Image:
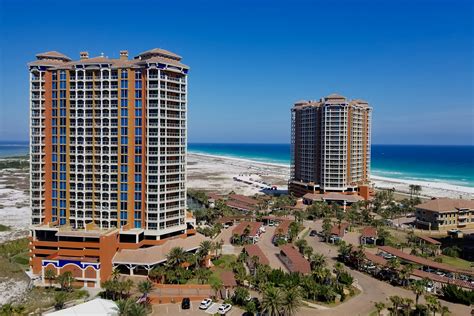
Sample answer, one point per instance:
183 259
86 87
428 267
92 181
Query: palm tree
359 256
418 288
406 272
203 275
272 302
65 280
204 248
432 303
318 260
396 302
407 304
157 274
59 300
123 307
137 310
216 285
115 273
444 311
379 306
50 275
176 256
308 252
301 244
127 286
145 287
292 300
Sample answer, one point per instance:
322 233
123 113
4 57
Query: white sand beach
216 173
14 203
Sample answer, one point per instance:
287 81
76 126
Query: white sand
15 210
216 173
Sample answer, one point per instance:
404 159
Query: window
124 94
124 169
138 103
124 84
124 74
138 84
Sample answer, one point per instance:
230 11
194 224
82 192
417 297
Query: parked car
185 303
313 233
429 288
224 308
205 303
440 273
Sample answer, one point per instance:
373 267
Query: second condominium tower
108 157
330 145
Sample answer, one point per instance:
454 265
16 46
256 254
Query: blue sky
250 60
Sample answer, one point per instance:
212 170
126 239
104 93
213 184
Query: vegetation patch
4 228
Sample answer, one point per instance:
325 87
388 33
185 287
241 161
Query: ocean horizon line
25 142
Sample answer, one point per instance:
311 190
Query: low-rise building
293 260
445 214
247 232
255 256
332 197
368 235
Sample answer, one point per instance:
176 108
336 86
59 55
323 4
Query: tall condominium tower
108 156
330 145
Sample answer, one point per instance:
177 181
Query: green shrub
456 294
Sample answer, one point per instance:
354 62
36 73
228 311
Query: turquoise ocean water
448 164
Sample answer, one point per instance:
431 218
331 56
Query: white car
429 288
205 303
224 308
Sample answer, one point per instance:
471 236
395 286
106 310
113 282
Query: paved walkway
175 309
270 250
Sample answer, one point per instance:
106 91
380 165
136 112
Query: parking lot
175 309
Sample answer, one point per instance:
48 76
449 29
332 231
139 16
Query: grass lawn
456 262
223 263
355 292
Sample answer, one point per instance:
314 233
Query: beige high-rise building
330 145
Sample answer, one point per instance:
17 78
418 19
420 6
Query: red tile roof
228 279
429 240
283 227
442 279
369 232
375 259
240 205
254 228
423 261
297 262
254 250
446 205
243 199
339 230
